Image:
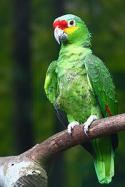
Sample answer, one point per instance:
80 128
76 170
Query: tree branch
30 168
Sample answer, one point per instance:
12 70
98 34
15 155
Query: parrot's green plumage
79 84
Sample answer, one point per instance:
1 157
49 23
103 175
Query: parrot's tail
104 159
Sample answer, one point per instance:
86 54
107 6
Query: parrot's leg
71 126
88 123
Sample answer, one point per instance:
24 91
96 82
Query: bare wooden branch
30 168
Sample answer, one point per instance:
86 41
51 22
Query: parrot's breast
75 94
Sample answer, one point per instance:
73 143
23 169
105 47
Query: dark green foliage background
106 22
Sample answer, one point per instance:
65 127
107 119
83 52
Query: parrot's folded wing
103 87
50 85
102 84
104 90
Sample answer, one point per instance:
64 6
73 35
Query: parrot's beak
60 35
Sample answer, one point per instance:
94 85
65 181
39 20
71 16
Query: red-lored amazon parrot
79 84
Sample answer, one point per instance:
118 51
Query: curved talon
71 126
89 122
86 128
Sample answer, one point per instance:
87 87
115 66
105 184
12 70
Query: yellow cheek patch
70 29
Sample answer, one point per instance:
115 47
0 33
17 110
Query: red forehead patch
61 24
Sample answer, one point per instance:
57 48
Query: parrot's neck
73 49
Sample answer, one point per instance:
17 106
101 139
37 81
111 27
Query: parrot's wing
102 85
50 85
104 90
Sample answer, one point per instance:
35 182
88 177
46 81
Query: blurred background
27 46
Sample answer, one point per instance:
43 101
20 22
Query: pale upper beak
60 35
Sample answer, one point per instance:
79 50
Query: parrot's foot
88 123
71 126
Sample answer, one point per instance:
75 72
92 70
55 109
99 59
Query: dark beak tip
63 37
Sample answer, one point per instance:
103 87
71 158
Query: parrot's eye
71 23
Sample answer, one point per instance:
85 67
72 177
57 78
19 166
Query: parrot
81 89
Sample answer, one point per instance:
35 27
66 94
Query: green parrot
79 85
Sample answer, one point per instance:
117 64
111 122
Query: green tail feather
104 159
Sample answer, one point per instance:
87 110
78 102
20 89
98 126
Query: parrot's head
69 29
